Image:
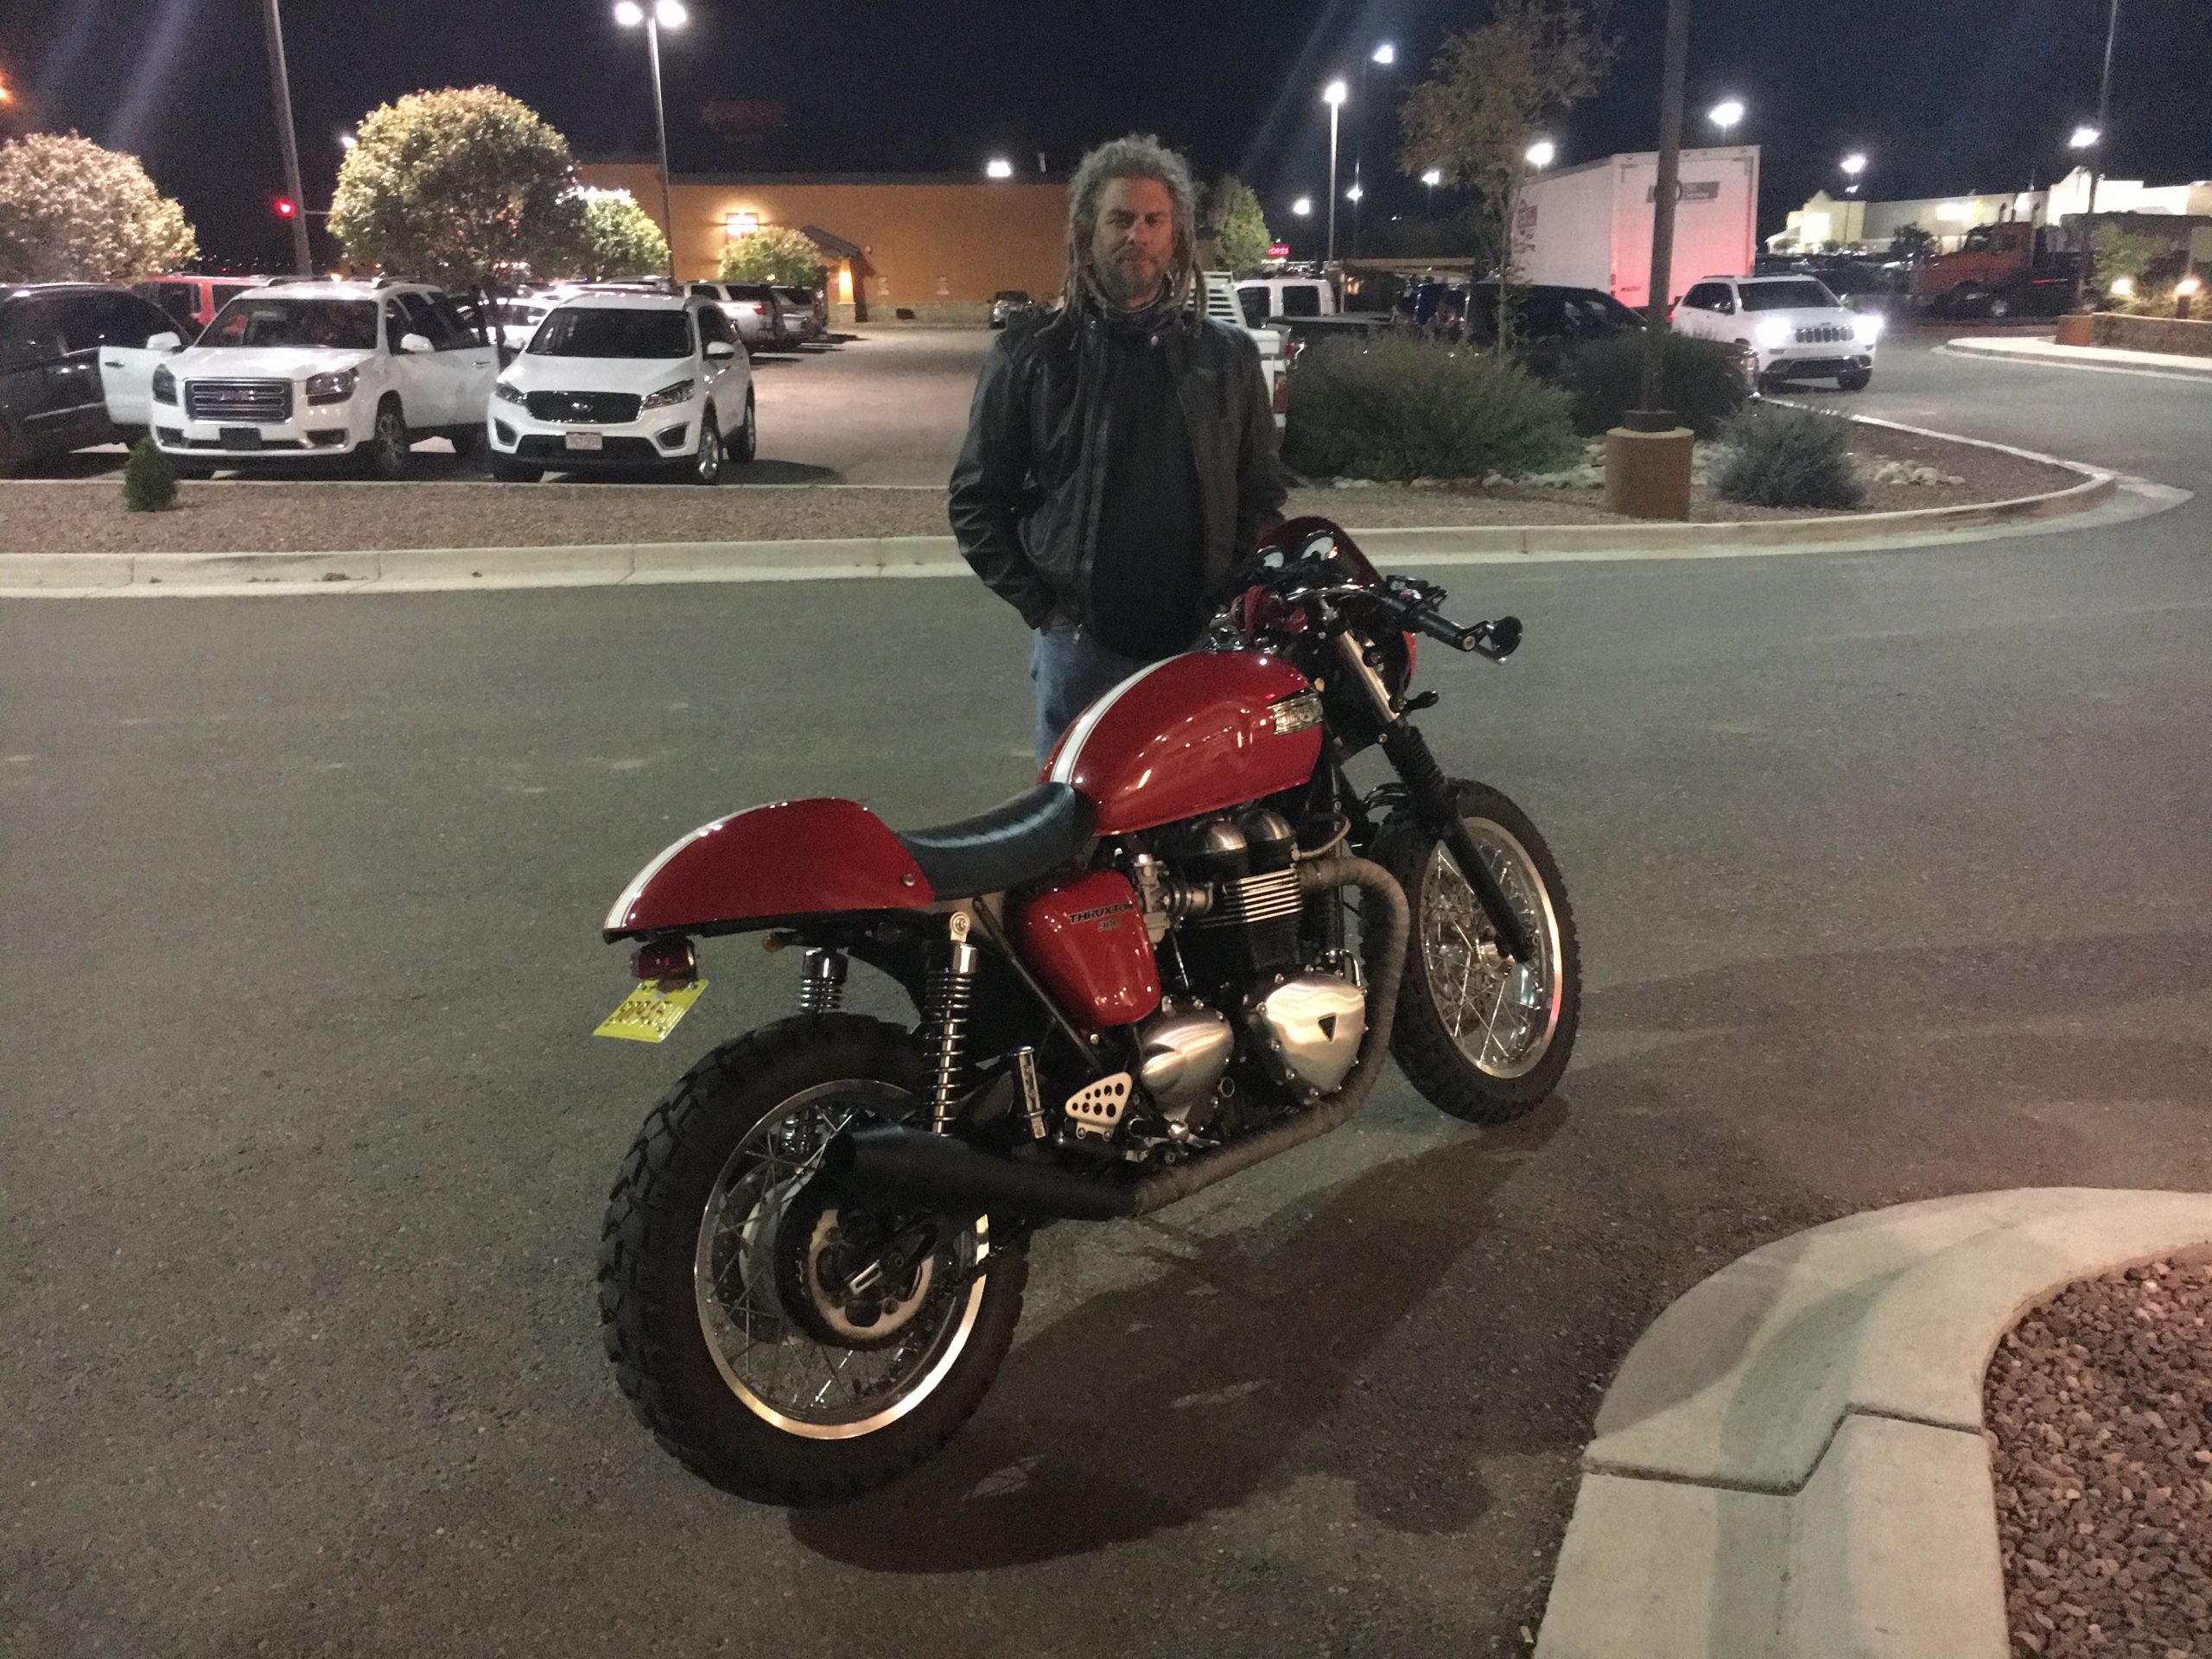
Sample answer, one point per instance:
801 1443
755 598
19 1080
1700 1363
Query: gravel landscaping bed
2100 1429
87 516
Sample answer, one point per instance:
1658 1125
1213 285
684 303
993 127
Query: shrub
774 253
1398 408
1703 384
149 479
1777 456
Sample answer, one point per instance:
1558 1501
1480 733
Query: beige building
898 247
1852 223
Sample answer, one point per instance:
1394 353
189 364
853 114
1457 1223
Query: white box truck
1590 226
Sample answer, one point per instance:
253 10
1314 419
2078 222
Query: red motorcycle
1194 944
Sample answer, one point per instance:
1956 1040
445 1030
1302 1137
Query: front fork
1431 792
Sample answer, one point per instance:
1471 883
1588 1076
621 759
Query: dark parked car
1009 303
76 360
1549 322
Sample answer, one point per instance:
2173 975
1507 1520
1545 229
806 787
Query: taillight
665 961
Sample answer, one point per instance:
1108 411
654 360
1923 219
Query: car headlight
164 386
669 397
1773 334
333 388
506 392
1868 327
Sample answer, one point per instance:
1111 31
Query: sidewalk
2107 357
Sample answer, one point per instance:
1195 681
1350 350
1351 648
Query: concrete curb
82 575
1790 1465
2098 360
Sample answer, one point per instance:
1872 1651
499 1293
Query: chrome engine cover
1181 1057
1308 1030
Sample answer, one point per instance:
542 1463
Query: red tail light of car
665 961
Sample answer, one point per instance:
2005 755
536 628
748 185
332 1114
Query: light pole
1333 96
1725 114
665 14
1386 55
1433 177
282 85
2095 140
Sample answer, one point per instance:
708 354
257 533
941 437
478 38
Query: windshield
601 331
1787 297
337 325
516 315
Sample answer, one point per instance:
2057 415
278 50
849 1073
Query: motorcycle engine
1224 906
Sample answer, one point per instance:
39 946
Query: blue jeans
1071 670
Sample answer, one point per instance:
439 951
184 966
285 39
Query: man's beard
1128 282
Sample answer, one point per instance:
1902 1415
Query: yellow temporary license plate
649 1013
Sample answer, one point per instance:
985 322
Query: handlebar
1412 605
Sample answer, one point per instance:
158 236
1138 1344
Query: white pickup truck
1222 305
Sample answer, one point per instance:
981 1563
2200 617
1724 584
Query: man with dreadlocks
1119 456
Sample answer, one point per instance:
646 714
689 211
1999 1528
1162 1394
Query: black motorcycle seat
1016 840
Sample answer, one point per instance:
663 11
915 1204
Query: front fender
772 864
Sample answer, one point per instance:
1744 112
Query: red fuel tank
1086 941
1194 734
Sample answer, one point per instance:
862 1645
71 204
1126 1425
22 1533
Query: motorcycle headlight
1869 328
1772 333
333 388
164 386
506 392
669 397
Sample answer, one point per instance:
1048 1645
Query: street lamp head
1726 113
1854 163
1353 194
2083 138
1385 54
1542 152
1303 207
671 14
346 140
998 168
629 13
1335 93
1433 177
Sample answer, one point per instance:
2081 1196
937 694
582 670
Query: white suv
302 370
625 380
1791 327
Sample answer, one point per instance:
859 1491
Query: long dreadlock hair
1139 155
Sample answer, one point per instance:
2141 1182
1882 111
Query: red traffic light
285 209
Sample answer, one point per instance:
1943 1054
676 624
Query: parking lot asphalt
1890 874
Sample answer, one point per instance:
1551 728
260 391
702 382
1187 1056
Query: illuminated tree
72 212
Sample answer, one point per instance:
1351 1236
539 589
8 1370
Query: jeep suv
302 369
1788 328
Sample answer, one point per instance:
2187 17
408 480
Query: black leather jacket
1025 493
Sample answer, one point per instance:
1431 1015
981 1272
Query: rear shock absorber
952 991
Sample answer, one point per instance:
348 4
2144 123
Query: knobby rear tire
649 1316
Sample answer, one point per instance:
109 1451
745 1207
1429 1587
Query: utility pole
291 144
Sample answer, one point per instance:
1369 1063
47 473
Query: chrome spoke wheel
1502 1013
786 1376
711 453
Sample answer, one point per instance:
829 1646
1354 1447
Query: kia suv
626 380
1788 328
303 370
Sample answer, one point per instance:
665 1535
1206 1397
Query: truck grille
1823 334
239 402
585 408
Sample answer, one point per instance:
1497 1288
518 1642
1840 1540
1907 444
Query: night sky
1946 96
